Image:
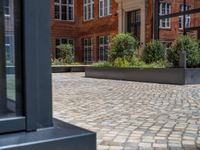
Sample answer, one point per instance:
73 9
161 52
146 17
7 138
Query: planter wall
178 76
62 69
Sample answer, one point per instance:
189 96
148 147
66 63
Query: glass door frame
135 23
18 122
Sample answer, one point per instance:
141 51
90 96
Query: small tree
66 53
154 52
187 44
123 46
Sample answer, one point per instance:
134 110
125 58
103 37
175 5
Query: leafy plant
154 52
123 45
187 44
121 62
58 62
66 53
136 62
102 64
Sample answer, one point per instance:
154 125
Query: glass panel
9 98
133 23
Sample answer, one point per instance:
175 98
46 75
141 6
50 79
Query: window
7 8
88 9
64 10
187 17
103 47
105 7
134 23
87 50
165 9
63 41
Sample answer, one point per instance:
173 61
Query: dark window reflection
8 100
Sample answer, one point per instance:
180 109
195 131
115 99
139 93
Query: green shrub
121 62
136 62
154 52
58 62
66 53
102 64
123 45
190 46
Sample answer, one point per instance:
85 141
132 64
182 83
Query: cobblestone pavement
130 115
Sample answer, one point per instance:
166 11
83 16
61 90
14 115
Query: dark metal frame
34 67
157 18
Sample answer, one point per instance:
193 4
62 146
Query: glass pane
9 102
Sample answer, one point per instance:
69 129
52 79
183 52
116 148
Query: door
11 99
134 23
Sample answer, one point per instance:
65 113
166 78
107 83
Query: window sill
168 29
68 21
88 20
102 17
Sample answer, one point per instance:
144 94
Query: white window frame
86 50
67 5
105 8
103 46
88 10
187 17
166 11
9 9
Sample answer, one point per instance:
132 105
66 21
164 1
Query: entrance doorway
134 23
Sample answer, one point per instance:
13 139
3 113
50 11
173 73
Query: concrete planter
68 68
179 76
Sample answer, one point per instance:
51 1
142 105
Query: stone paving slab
130 115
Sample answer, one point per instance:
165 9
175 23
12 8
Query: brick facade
109 25
169 35
80 29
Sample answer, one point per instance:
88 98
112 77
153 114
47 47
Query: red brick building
89 24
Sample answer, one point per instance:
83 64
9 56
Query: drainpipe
156 20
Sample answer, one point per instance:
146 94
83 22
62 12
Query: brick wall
80 29
169 35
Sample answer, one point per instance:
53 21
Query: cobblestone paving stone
130 115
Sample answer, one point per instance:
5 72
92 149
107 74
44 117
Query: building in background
9 31
89 25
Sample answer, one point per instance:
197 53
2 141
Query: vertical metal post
3 100
183 59
18 55
156 19
184 18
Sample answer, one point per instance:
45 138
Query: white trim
106 9
67 5
165 23
88 15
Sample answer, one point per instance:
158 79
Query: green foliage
62 62
154 52
139 63
190 46
58 62
121 62
102 64
66 53
136 62
123 45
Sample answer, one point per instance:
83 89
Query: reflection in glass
7 60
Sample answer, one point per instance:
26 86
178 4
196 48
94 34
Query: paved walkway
130 115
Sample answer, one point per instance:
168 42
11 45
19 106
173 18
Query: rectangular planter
62 69
179 76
